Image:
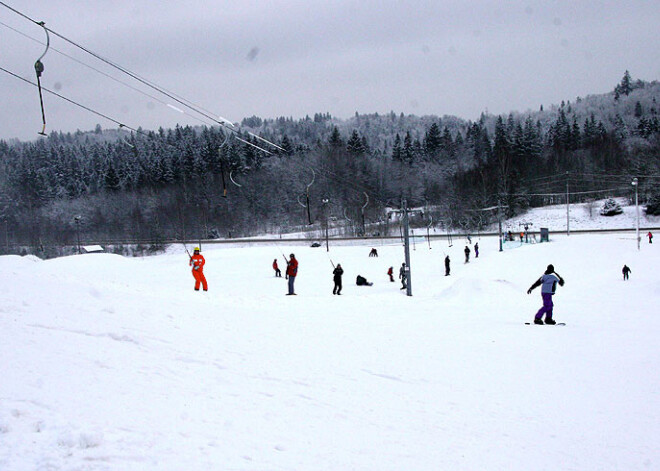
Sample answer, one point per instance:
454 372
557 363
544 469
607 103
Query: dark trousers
278 272
337 288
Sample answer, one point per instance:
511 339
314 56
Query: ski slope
112 363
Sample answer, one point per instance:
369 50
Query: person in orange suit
197 263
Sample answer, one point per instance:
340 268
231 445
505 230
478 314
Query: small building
92 249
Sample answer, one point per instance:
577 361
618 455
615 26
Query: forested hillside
184 182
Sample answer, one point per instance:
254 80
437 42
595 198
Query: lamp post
77 219
325 210
635 184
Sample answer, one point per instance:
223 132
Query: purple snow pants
547 307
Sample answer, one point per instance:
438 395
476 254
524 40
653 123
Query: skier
337 272
650 236
197 263
373 253
467 254
549 285
625 271
278 272
390 272
362 281
402 275
291 272
476 250
447 265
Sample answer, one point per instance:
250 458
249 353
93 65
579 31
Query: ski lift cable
86 108
121 82
188 104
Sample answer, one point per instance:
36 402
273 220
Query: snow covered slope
109 363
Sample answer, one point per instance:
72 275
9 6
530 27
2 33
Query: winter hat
550 269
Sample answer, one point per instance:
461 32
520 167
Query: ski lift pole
406 249
39 68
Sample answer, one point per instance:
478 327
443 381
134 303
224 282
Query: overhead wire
182 101
126 84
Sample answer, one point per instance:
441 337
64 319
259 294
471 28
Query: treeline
197 182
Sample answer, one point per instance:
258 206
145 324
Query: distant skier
467 254
650 236
278 272
337 273
373 253
390 273
197 263
625 271
476 250
447 265
362 281
291 272
403 276
548 282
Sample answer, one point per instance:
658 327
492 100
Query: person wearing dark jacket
447 265
625 271
362 281
548 283
403 275
467 254
337 273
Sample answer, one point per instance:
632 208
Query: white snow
113 363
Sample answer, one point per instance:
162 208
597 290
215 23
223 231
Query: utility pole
499 221
77 219
325 210
568 223
635 184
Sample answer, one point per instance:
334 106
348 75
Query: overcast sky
293 58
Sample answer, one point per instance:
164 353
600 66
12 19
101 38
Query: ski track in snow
112 363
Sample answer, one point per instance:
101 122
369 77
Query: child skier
549 285
278 272
390 273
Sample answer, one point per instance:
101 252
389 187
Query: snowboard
558 323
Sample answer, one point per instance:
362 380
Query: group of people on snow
548 281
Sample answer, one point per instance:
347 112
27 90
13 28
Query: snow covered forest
192 182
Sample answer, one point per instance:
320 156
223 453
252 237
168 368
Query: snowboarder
197 263
373 253
291 272
390 272
467 254
402 275
447 265
337 273
476 250
650 236
625 271
549 284
278 272
362 281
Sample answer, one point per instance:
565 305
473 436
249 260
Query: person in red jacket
291 272
650 236
278 272
197 263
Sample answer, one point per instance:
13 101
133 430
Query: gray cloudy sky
292 58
